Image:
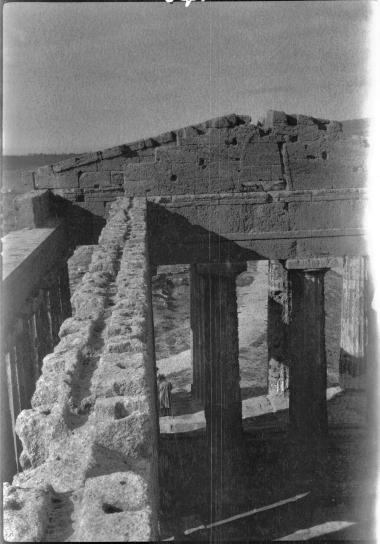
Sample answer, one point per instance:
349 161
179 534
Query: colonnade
30 336
296 346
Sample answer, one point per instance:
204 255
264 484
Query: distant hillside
30 162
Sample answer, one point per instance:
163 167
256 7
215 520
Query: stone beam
28 257
255 226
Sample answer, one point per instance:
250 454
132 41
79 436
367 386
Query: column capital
227 270
313 263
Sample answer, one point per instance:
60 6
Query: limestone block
187 133
125 379
32 209
17 181
86 305
274 118
130 436
130 526
117 163
50 389
46 178
117 178
342 164
326 214
26 513
74 162
261 154
165 138
116 151
94 179
118 407
121 344
308 133
225 121
53 363
36 431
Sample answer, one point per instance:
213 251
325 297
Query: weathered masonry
290 191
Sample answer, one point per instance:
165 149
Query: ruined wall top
284 151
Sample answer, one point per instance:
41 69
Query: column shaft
64 291
43 328
197 339
25 362
307 399
352 360
32 327
277 328
223 410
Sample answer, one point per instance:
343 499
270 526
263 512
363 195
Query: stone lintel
222 269
314 263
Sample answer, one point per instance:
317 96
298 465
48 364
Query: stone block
116 163
117 178
165 138
46 178
274 118
26 513
182 155
74 162
113 152
130 526
257 154
224 121
94 179
326 214
17 181
130 436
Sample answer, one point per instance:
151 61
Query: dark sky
85 76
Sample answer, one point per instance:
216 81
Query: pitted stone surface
25 513
94 419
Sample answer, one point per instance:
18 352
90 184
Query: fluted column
197 330
43 326
223 410
308 376
64 290
55 309
352 360
277 328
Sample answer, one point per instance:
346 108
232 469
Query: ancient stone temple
79 370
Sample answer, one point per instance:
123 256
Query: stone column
25 362
55 310
43 327
64 290
308 375
352 360
223 410
277 328
14 398
372 364
32 328
196 327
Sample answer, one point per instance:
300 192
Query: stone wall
29 210
225 154
229 154
90 439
